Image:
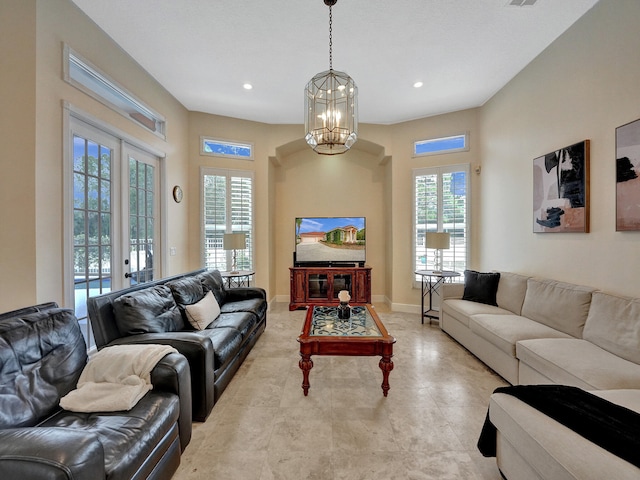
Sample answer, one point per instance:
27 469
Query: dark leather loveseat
42 354
155 312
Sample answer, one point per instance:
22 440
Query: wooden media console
321 285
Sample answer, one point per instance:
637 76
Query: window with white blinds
227 208
441 197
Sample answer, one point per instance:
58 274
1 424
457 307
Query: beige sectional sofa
547 332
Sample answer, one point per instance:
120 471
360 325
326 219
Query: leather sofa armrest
452 290
198 351
52 453
172 374
244 293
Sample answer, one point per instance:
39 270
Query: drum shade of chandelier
331 106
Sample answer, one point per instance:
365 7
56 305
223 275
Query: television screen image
331 240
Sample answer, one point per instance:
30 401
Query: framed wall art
561 190
627 177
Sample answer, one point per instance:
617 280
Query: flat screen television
330 241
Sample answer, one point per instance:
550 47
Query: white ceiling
203 51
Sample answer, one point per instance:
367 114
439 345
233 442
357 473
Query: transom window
84 76
226 148
434 146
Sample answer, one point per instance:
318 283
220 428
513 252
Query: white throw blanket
115 378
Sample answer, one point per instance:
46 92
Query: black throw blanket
610 426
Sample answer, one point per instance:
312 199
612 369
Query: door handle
127 275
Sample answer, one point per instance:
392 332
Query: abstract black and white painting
627 177
561 190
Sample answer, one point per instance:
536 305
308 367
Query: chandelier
331 107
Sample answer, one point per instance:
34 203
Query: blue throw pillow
481 287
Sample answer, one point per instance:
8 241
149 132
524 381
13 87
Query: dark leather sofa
154 312
42 354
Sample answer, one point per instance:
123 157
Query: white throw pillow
202 313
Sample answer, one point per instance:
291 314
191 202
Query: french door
115 215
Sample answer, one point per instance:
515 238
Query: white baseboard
405 308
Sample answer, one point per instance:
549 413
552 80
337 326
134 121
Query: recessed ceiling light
247 86
417 84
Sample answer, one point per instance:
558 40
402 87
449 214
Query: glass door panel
142 224
93 162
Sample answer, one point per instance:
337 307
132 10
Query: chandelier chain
330 39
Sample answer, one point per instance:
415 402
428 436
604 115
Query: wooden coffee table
363 334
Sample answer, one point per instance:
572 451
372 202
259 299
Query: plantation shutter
454 219
227 208
242 216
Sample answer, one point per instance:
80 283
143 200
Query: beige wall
33 33
17 162
312 185
582 87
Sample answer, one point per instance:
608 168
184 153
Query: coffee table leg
306 364
386 365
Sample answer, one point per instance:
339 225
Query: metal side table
431 280
241 278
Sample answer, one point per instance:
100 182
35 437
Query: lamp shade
234 241
438 240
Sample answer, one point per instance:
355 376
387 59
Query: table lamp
438 241
234 241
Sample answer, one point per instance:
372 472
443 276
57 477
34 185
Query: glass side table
431 280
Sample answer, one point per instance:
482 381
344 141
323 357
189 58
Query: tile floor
264 428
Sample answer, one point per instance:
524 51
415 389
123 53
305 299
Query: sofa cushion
511 291
41 358
504 331
150 310
613 323
128 438
226 343
186 290
577 362
257 306
461 310
481 287
562 306
243 322
202 313
212 280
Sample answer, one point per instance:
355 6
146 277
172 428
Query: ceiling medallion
331 106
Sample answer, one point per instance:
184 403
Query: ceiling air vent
521 3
